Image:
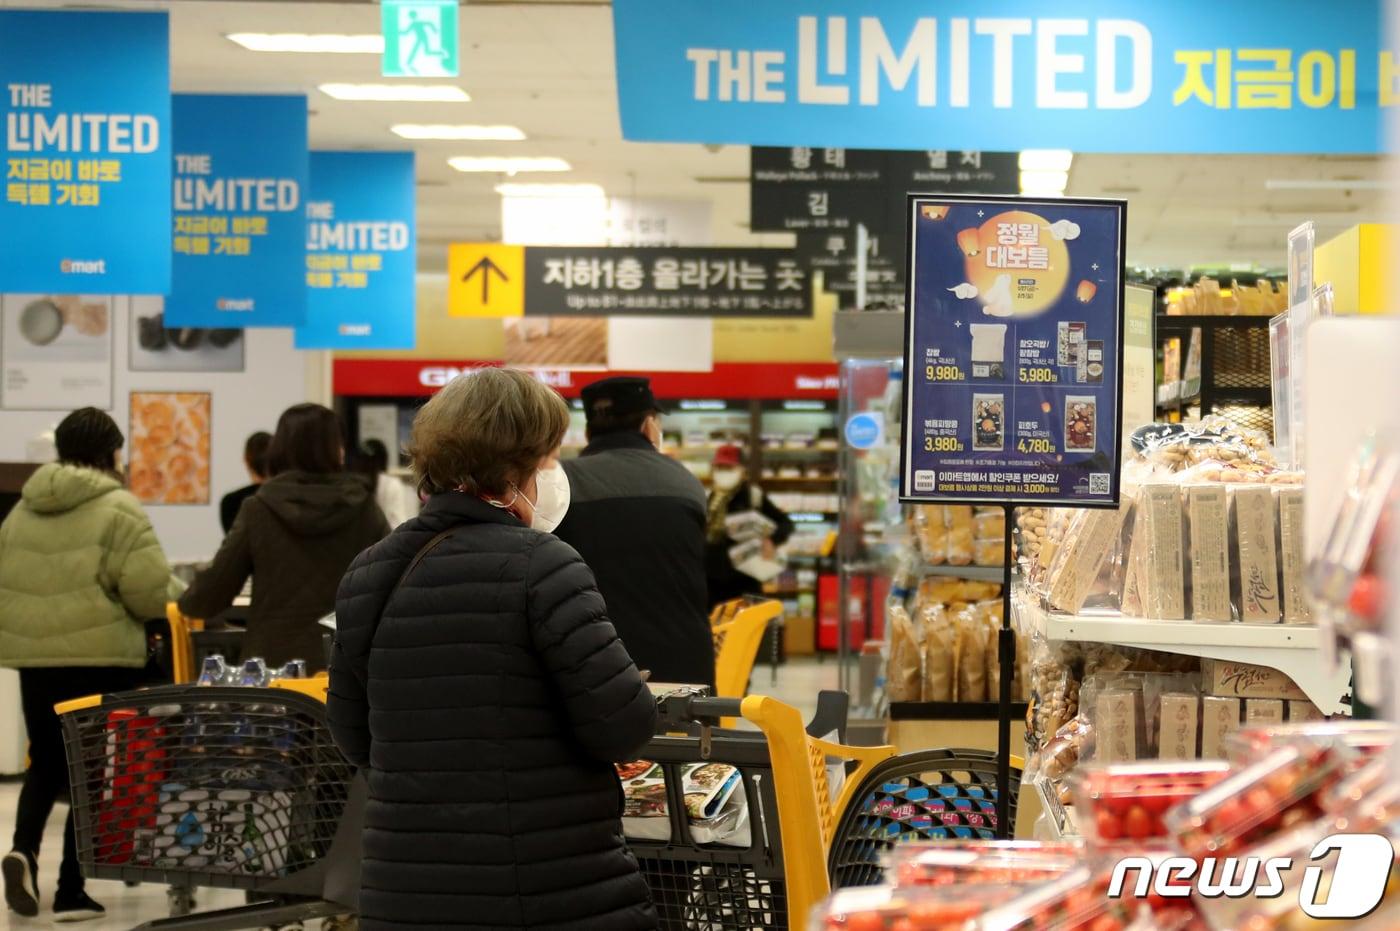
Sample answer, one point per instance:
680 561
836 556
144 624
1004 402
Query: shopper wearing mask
477 679
255 461
80 573
294 538
733 494
638 519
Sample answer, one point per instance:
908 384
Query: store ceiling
547 67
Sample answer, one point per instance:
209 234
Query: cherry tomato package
1276 794
1077 901
887 908
1367 738
980 862
1125 803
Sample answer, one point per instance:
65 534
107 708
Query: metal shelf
1293 649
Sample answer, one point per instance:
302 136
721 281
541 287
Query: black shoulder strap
413 564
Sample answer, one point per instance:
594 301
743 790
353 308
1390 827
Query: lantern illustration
1086 291
970 241
933 211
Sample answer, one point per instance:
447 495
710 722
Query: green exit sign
420 38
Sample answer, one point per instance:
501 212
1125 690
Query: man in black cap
638 519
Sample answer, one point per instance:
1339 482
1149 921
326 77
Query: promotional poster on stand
1013 344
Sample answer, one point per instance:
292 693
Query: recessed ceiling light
326 43
458 132
1044 183
550 190
413 93
1045 160
506 164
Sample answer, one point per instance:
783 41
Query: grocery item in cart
1125 803
1248 808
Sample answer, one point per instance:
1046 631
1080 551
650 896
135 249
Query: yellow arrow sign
485 279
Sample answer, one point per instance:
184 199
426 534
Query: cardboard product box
1263 711
1219 716
1292 560
1245 680
1208 515
1300 709
1179 726
799 635
1131 601
1256 555
1082 555
1116 725
1163 576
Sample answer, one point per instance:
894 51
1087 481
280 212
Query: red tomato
1367 597
1107 825
1138 824
1283 782
1158 802
1118 804
932 916
1106 923
864 921
903 924
1229 816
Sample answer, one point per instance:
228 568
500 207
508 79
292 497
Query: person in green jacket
80 572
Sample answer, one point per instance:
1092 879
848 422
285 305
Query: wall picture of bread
169 460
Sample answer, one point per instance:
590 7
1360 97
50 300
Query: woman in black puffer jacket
484 689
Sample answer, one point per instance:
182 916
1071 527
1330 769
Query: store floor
797 683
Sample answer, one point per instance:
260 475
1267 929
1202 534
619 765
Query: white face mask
727 479
552 498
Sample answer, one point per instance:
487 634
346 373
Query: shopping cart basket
925 795
778 873
238 788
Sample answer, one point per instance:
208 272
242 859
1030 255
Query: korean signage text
85 99
502 281
1013 348
240 225
361 255
1118 76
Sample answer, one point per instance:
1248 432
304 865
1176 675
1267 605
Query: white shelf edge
1293 649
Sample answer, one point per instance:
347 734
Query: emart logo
83 266
240 305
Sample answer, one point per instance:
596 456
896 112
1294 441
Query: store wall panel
273 378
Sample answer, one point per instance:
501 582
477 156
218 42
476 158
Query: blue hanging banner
240 224
361 252
85 101
1002 75
1013 339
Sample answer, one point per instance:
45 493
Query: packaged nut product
940 654
1179 722
972 655
903 680
989 536
1256 555
1117 725
931 529
1219 717
1207 513
1292 560
1077 563
961 534
1159 547
1263 711
1032 526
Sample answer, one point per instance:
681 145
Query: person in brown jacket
295 537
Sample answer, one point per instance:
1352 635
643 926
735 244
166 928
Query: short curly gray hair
484 431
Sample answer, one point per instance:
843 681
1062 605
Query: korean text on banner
240 224
86 105
1100 76
1013 347
361 252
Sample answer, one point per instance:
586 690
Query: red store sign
726 380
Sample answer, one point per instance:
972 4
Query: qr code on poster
1098 483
